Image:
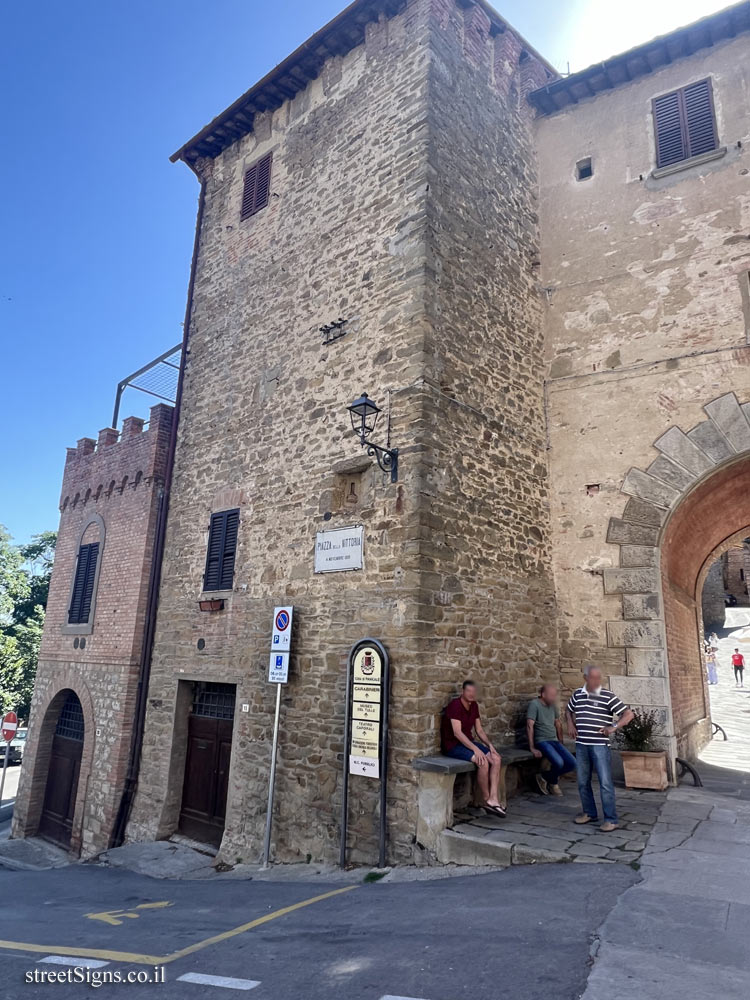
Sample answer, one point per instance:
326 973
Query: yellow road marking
138 959
225 935
116 917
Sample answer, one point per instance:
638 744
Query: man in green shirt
544 730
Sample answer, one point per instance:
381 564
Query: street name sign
339 549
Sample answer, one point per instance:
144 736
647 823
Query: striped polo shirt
592 711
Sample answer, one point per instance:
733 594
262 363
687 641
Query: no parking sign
281 637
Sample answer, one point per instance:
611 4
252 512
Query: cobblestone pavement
545 824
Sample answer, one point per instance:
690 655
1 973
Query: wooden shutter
230 550
699 117
257 186
222 548
684 123
83 585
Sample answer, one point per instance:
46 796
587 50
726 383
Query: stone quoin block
647 634
640 484
648 692
641 606
710 440
645 662
643 580
675 444
638 555
622 532
671 473
727 414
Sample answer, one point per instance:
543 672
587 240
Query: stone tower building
85 693
394 157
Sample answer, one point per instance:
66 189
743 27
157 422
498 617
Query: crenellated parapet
97 469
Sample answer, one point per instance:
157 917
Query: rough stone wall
645 282
372 165
264 427
712 602
114 484
485 489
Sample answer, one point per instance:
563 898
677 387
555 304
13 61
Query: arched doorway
707 522
56 821
691 501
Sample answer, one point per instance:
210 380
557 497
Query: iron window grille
70 720
214 701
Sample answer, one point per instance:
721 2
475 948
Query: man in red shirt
460 721
738 662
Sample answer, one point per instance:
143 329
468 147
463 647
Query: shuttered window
83 585
222 548
257 186
684 123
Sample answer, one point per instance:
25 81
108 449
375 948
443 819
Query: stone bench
437 776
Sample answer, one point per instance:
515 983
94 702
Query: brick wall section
686 674
735 573
360 189
712 599
119 483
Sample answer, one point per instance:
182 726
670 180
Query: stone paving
541 828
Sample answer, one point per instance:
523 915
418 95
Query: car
15 748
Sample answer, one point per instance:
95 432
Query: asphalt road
521 934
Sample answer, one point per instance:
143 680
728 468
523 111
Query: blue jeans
599 759
561 759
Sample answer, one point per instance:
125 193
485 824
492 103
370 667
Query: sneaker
542 785
609 827
554 789
582 818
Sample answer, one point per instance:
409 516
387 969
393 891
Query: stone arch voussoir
684 459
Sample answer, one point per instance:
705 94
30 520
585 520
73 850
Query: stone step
467 849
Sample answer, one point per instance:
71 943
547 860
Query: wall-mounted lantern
364 414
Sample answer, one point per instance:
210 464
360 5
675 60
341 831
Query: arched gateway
691 504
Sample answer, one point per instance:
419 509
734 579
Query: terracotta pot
217 604
645 769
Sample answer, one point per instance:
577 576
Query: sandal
494 810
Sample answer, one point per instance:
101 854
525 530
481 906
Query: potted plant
644 763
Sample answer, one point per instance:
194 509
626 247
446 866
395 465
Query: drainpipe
136 745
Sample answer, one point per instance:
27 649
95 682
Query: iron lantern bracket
387 458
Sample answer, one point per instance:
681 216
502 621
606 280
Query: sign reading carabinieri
339 549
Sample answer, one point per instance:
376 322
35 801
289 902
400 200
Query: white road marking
227 981
81 963
389 997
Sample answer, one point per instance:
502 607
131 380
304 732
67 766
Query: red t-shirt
738 660
467 717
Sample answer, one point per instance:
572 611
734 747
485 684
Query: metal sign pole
5 768
347 740
272 780
385 695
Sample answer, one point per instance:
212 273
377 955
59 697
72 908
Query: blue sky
97 225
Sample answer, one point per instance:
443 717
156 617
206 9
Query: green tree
24 586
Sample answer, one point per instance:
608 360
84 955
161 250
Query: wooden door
56 823
209 746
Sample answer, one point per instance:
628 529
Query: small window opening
584 169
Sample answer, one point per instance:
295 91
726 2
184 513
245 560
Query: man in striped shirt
591 716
